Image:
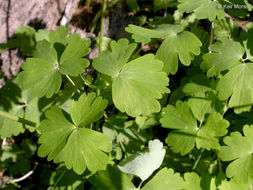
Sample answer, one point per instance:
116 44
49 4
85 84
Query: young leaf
177 44
204 9
225 55
238 149
132 91
165 179
76 147
144 164
237 83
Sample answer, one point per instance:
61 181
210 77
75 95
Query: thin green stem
72 82
63 173
219 164
8 116
102 25
197 160
139 187
18 119
212 34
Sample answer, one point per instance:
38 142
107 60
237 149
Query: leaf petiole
72 82
18 119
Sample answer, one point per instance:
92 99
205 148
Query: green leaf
132 91
59 55
192 181
25 40
77 147
63 179
112 179
75 50
87 109
133 5
237 84
180 118
42 76
225 55
183 46
111 62
59 35
200 106
165 179
238 149
187 132
144 164
177 44
9 127
214 127
160 4
144 35
204 9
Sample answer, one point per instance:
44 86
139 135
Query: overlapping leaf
77 147
224 56
165 179
59 55
132 91
187 132
192 181
181 119
177 44
238 149
204 9
238 85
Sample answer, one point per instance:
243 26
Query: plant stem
139 187
18 119
236 21
197 161
72 82
211 35
102 25
219 164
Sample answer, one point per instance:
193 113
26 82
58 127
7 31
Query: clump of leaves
176 118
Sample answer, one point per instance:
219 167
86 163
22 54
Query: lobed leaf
165 179
132 91
224 56
238 85
77 147
238 149
53 56
204 9
177 44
